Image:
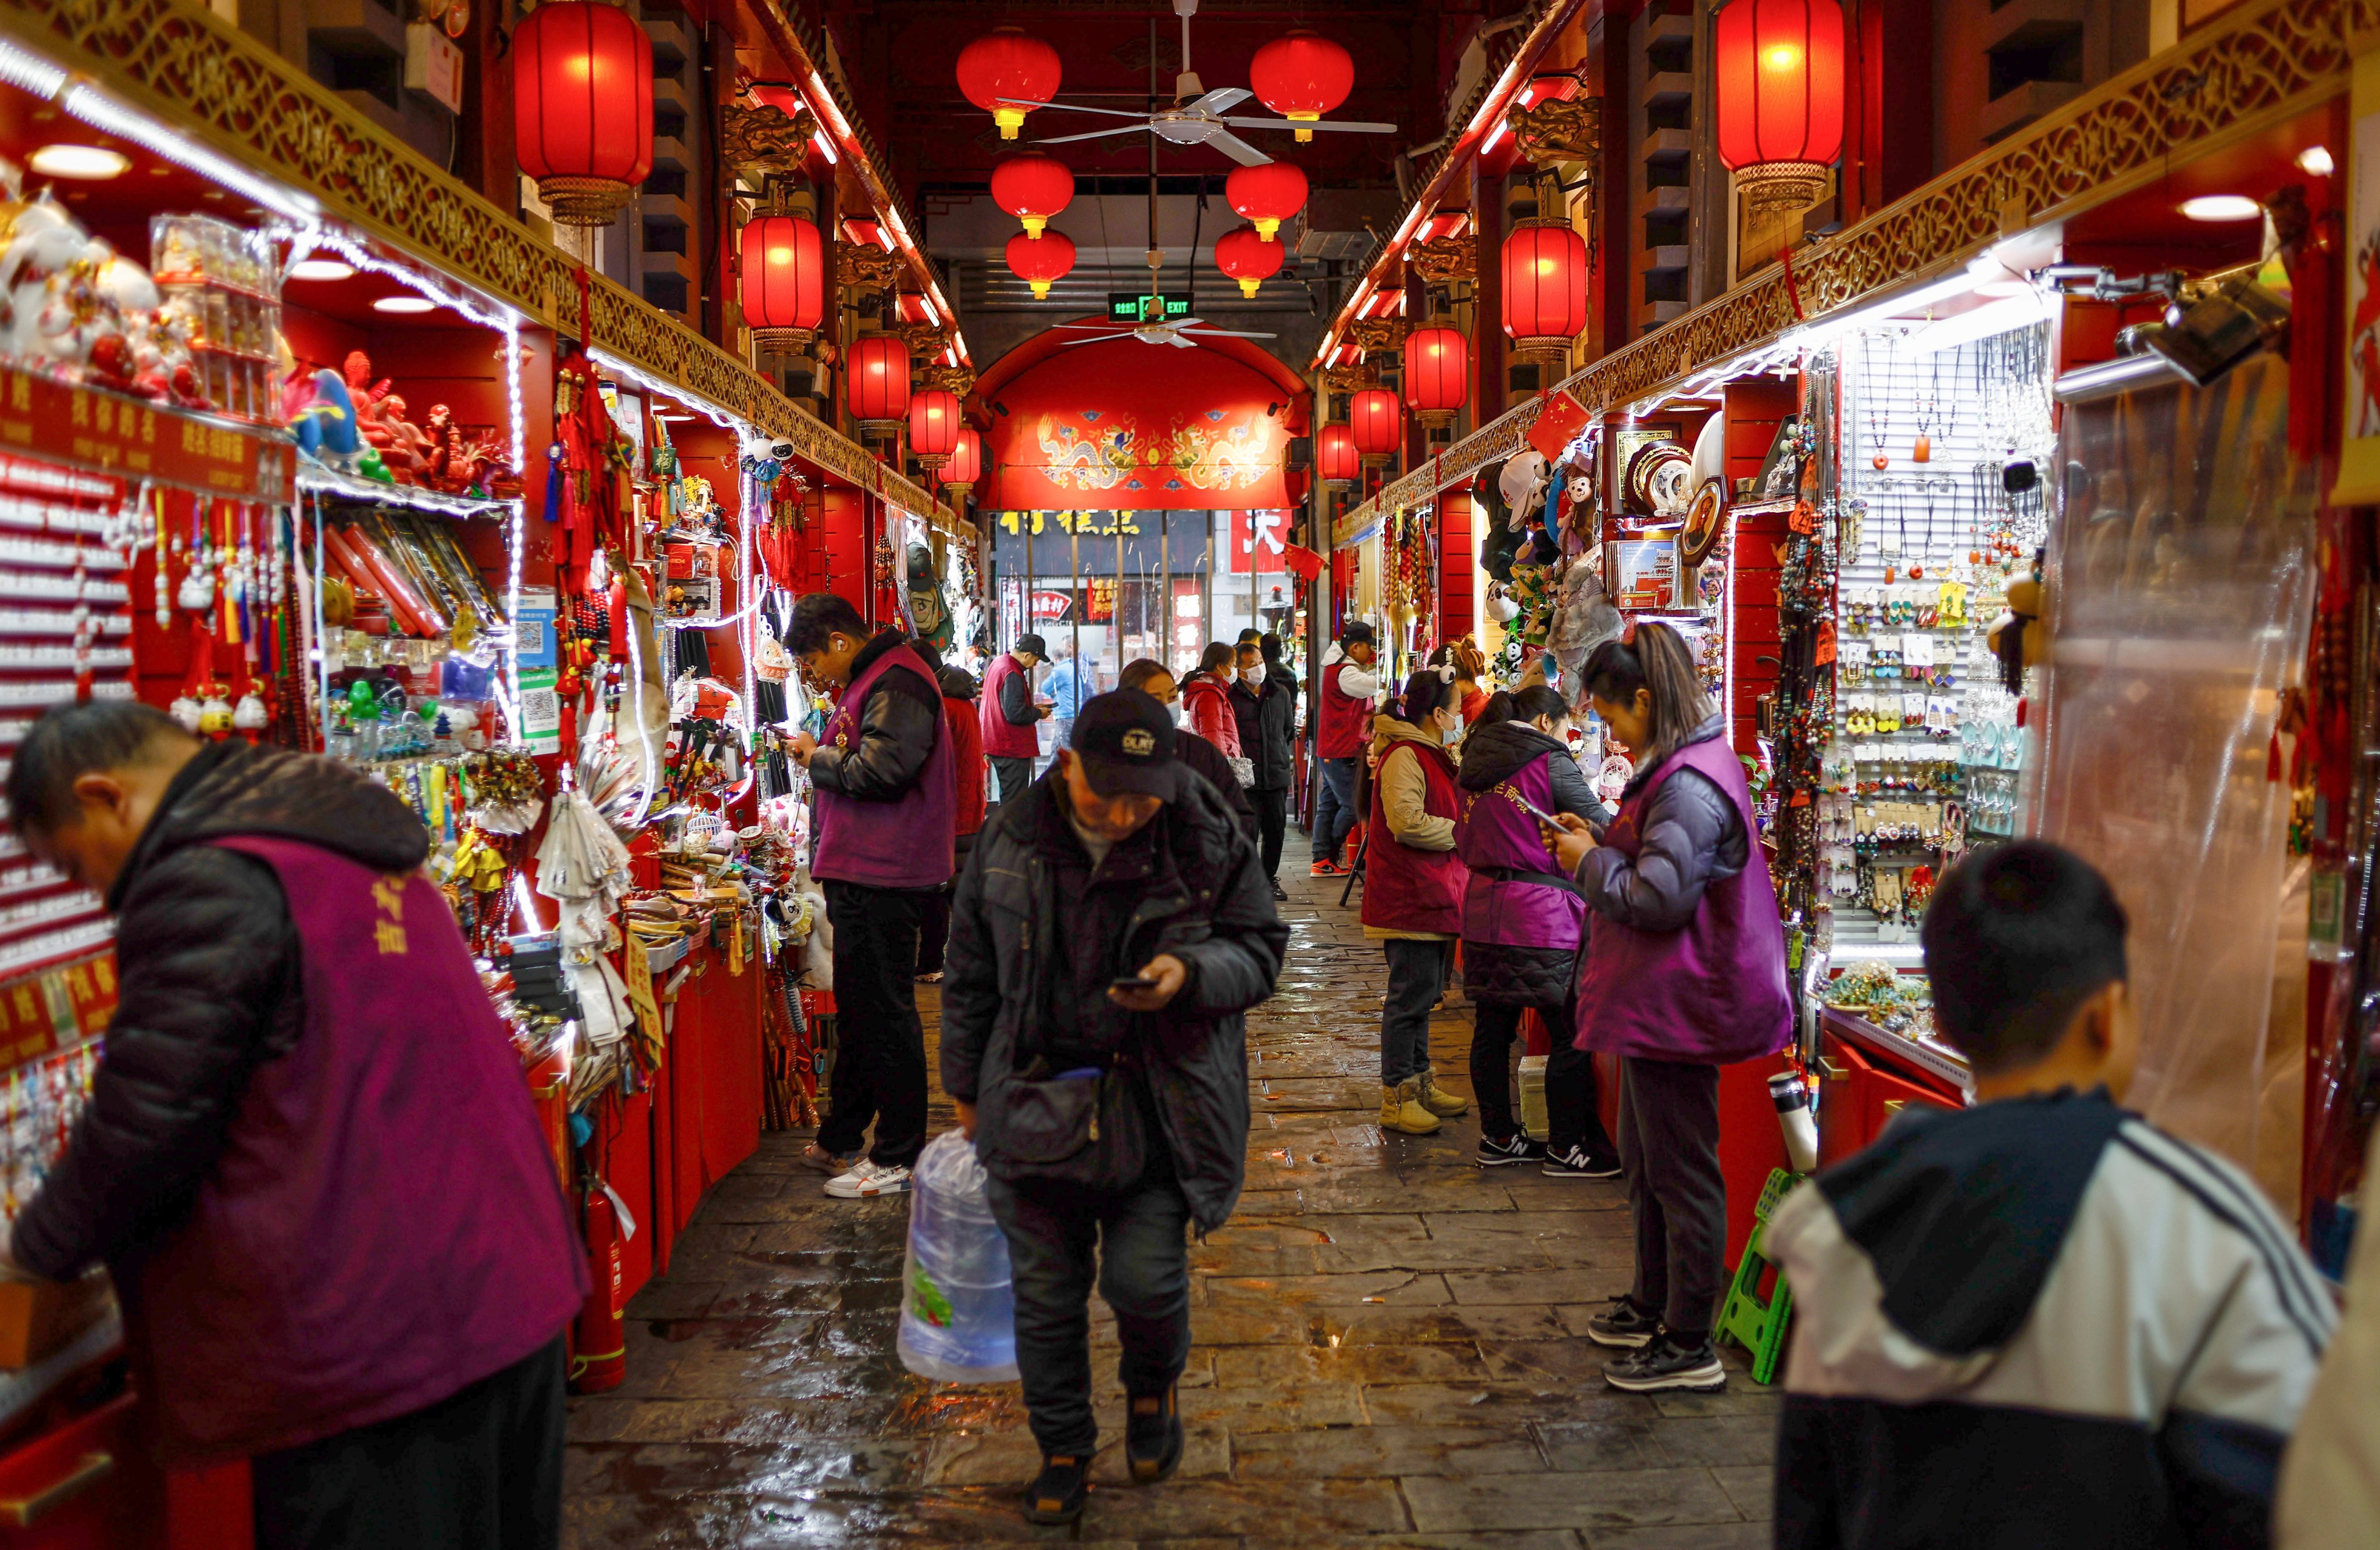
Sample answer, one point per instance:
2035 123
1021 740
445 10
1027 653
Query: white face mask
1450 735
1255 674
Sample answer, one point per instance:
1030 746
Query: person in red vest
1010 719
967 751
1412 890
1343 713
309 1158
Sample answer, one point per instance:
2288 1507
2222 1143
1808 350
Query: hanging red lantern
1378 422
1266 194
1004 69
782 283
1779 94
1545 289
878 390
1042 261
1032 189
1302 77
1334 454
960 474
1438 371
933 425
1247 258
583 108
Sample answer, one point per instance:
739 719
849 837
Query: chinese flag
1558 420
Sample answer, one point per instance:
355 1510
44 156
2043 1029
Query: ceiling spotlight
2315 159
91 163
321 269
404 304
2222 207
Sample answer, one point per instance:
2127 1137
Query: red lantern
1032 189
1302 77
1004 69
965 467
784 281
1335 455
1545 289
1247 258
583 108
933 425
1376 420
1267 194
1042 261
879 387
1779 91
1438 371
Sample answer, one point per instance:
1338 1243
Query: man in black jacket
1263 698
1202 758
1107 936
886 812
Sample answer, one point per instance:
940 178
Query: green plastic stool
1759 1326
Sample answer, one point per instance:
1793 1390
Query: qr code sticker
531 642
539 708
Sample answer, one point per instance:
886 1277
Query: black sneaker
1494 1154
1626 1327
1579 1163
1279 896
1152 1437
1663 1365
1056 1495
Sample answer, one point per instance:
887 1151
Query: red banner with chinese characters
1263 536
1122 424
56 1009
63 422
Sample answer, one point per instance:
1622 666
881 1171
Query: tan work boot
1401 1109
1437 1099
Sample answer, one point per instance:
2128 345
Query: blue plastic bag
958 1312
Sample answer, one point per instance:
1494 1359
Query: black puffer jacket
1497 973
1211 766
899 720
1693 838
1268 717
1035 935
211 987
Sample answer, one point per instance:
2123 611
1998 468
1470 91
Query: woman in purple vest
1522 926
1412 890
1684 972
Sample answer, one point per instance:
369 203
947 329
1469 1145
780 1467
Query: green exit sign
1131 307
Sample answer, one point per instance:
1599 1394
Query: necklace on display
1879 415
1923 452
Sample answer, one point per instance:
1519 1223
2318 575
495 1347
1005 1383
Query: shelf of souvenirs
323 481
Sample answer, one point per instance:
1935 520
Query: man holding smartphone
1107 939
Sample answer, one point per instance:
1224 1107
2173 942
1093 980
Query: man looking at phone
1106 938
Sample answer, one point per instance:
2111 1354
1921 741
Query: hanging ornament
1041 262
1265 195
1248 258
1007 73
1302 76
1033 189
583 108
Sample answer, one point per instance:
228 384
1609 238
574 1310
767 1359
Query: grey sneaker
1664 1366
1626 1327
869 1181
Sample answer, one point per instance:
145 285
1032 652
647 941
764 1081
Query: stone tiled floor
1389 1350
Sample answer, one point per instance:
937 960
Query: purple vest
1713 992
1496 831
384 1227
906 843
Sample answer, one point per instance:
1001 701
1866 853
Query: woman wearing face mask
1523 921
1207 701
1413 889
1684 974
1152 678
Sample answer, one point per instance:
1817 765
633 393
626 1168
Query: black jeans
879 1055
1143 1267
1012 776
1334 808
1416 979
1669 1148
479 1470
934 930
1571 1116
1272 822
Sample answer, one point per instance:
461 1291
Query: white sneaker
869 1181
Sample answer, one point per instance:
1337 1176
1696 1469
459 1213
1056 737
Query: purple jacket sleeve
1692 837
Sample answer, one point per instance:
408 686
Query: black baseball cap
1359 633
1032 644
1125 742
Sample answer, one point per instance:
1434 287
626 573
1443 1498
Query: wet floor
1389 1350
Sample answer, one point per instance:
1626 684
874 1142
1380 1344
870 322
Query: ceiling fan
1184 333
1198 116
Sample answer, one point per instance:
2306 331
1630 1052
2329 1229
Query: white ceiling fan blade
1095 339
1230 334
1224 99
1319 124
1104 327
1237 149
1073 107
1094 134
1183 322
1178 342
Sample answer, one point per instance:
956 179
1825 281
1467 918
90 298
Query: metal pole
1075 607
1165 597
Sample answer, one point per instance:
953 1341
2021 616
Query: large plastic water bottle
958 1313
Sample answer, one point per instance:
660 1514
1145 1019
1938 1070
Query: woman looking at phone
1684 972
1413 889
1522 921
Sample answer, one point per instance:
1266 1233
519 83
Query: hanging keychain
164 600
